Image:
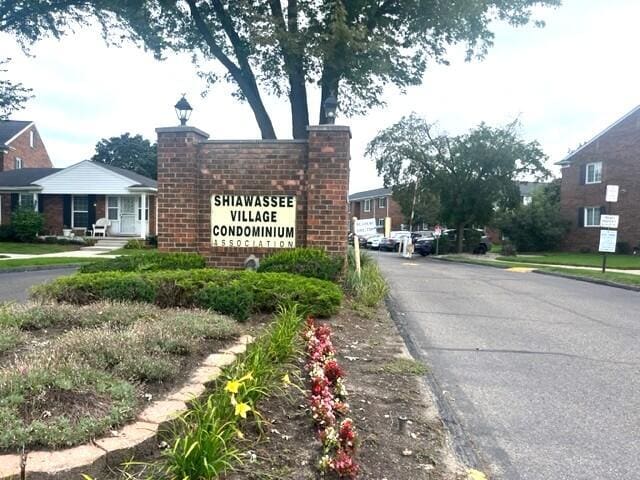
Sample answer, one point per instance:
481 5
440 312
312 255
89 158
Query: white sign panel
253 221
608 239
366 226
609 221
612 193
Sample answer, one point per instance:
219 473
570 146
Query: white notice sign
608 239
366 226
609 221
253 221
612 193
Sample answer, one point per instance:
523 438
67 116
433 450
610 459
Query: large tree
131 153
12 95
350 47
471 174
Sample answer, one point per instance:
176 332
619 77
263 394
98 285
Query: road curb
37 268
589 280
462 443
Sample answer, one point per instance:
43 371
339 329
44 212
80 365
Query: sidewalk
84 252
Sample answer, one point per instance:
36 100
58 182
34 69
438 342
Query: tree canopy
352 48
131 153
13 96
471 174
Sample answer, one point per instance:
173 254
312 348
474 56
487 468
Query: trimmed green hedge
146 262
308 262
262 292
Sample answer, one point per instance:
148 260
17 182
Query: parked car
393 242
415 236
425 246
374 242
483 244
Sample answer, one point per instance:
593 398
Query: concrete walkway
101 249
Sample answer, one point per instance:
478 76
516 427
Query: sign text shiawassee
253 221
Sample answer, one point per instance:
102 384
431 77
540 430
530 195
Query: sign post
437 232
356 245
609 238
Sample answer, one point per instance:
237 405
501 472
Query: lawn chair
100 226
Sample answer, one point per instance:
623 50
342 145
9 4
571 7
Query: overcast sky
566 82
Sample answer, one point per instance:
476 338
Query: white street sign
366 226
437 231
609 221
612 193
608 239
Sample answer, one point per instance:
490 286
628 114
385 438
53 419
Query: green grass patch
35 248
8 265
615 277
369 288
622 262
403 366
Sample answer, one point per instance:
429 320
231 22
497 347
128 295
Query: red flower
333 371
344 465
347 434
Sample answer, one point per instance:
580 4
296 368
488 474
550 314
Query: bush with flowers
328 404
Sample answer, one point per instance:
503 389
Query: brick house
611 158
21 146
378 204
76 196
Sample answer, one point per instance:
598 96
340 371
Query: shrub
26 224
180 288
147 261
235 299
623 248
135 244
369 289
7 233
308 262
508 250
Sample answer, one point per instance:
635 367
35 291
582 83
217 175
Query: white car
374 242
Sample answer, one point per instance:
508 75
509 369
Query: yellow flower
242 409
475 475
286 379
233 386
248 376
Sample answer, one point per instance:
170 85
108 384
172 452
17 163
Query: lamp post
183 110
330 105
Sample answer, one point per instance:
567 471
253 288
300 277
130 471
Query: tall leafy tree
131 153
352 48
471 174
13 96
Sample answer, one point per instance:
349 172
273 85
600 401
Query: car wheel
423 254
482 249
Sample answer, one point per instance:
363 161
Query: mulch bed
367 348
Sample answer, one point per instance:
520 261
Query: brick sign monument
229 199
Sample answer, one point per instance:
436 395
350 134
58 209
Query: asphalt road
14 286
541 373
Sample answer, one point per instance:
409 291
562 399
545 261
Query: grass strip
36 248
613 277
621 262
19 263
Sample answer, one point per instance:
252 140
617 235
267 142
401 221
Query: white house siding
85 178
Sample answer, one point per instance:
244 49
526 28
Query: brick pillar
177 188
328 188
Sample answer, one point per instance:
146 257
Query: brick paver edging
135 439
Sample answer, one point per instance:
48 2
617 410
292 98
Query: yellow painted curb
475 475
520 269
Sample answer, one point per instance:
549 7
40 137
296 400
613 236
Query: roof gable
11 129
89 177
378 192
567 160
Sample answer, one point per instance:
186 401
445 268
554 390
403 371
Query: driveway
541 373
14 286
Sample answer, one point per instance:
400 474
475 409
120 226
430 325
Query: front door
127 214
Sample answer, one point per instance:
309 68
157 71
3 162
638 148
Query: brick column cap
329 128
183 129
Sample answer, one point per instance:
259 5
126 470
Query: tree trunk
460 238
293 59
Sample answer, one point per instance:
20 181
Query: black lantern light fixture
183 110
330 105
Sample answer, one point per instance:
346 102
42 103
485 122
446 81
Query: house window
526 199
112 208
382 202
367 205
593 173
380 222
592 216
26 201
80 212
32 142
146 209
18 164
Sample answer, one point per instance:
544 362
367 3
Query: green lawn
29 262
623 278
624 262
35 248
130 251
